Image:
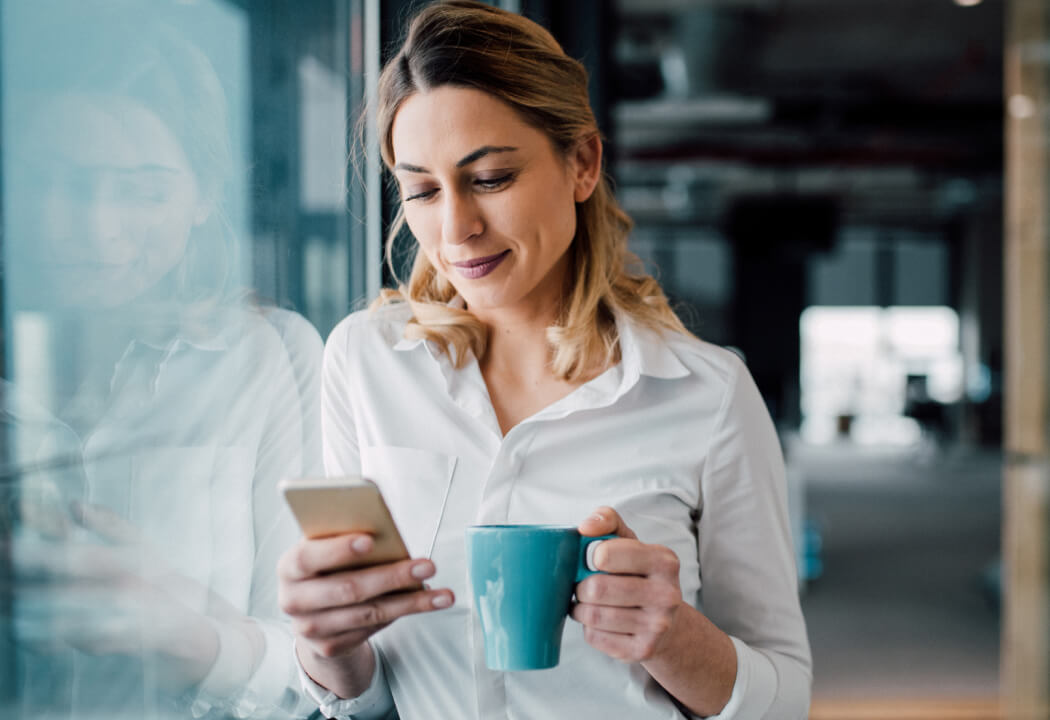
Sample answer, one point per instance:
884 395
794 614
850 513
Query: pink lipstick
480 267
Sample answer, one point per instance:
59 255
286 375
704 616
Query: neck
516 366
517 335
517 342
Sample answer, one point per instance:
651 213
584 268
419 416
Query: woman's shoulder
717 369
382 326
704 360
295 330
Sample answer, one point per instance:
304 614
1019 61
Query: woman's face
491 203
111 200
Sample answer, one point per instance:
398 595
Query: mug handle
584 562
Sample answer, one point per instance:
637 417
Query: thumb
605 521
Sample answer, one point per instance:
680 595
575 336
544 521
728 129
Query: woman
528 373
144 582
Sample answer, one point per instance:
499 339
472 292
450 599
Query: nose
462 219
104 231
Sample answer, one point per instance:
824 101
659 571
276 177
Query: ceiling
908 92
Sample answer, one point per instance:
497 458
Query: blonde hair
473 45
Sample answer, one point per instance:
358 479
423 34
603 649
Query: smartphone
335 506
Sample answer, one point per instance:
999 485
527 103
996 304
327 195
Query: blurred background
851 193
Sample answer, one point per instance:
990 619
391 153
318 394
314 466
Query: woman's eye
494 183
421 195
142 192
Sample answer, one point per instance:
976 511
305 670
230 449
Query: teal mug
523 577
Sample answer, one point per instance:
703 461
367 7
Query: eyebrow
465 160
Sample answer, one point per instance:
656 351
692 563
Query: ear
587 167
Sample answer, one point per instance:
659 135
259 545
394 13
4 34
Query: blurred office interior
820 184
852 194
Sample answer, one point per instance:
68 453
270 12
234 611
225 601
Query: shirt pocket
415 485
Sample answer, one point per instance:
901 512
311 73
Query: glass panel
175 235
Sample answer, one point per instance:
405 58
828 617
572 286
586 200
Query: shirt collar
217 343
643 351
205 325
405 343
168 345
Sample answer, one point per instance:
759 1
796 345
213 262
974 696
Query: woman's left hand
628 612
113 594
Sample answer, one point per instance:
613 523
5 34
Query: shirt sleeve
749 581
254 674
249 680
340 449
375 703
342 457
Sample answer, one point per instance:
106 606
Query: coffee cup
523 578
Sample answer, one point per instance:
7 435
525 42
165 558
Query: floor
901 610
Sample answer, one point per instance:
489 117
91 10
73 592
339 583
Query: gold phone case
336 506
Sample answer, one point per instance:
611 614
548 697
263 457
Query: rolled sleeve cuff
373 704
233 688
755 687
274 680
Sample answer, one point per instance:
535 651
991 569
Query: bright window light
863 366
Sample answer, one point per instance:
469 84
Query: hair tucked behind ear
473 45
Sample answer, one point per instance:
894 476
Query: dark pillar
274 150
772 237
585 29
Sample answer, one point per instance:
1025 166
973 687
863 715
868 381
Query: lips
480 267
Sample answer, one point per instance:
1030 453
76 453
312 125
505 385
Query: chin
487 301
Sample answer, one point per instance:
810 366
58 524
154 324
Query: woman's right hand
334 613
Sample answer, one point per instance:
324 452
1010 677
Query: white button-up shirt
675 437
188 447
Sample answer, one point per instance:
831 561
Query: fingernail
422 570
362 544
441 601
598 517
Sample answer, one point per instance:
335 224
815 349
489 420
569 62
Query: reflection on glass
151 403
